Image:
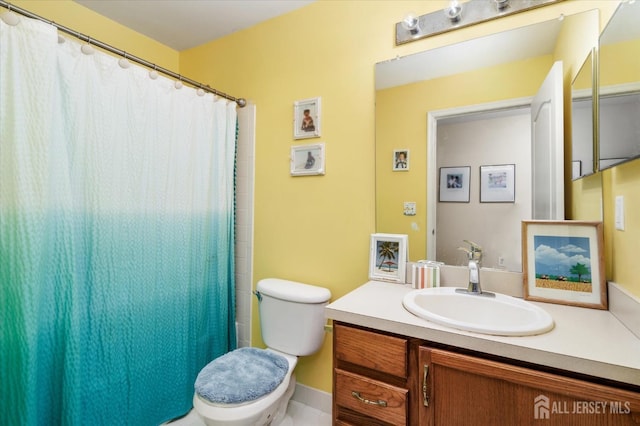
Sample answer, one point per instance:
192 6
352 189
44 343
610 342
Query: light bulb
501 4
454 11
411 23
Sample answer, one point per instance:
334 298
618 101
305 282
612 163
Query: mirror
412 90
582 120
619 87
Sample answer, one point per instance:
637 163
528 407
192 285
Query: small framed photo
454 184
400 160
563 262
497 183
388 257
307 160
306 118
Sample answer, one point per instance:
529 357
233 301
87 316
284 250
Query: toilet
252 386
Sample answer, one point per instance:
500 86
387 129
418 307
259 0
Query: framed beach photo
400 160
388 257
306 118
307 160
563 262
454 184
497 183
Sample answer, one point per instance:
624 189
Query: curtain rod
241 102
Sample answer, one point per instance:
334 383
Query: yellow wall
316 229
622 246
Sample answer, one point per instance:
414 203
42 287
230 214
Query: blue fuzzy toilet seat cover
241 376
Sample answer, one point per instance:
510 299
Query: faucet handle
475 250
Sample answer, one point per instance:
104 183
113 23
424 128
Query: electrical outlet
409 208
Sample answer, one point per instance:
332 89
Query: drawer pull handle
425 390
379 402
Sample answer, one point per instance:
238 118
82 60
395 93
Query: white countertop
587 341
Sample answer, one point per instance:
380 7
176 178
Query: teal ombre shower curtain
116 235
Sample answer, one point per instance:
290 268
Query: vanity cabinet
385 379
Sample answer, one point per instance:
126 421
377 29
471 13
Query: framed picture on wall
400 160
454 184
563 262
307 160
306 118
497 183
388 257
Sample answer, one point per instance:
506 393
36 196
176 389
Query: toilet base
270 416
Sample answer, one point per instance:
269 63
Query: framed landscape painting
563 262
388 257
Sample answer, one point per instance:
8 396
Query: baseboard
625 306
313 398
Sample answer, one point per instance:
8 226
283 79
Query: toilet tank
292 315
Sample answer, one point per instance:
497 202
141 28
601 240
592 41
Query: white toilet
251 386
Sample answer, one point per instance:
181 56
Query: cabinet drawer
371 397
378 352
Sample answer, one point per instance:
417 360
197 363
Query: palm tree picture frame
388 257
563 262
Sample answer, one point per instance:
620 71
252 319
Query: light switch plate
409 208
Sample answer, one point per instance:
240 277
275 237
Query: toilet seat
233 412
241 376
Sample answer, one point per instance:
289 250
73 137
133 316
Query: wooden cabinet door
465 390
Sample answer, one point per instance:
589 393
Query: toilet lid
242 375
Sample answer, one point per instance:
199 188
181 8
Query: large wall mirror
619 88
583 119
464 111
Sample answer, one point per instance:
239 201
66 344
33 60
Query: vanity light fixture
414 27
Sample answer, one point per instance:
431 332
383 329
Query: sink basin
500 315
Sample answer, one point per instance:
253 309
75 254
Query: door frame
432 142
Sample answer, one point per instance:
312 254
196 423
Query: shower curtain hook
124 62
153 74
10 17
87 49
178 83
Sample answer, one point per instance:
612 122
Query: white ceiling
182 24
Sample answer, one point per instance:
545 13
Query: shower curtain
116 235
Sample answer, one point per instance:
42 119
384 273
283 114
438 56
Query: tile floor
298 414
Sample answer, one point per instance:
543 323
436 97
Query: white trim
625 306
617 89
313 398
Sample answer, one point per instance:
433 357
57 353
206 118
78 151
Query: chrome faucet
474 253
